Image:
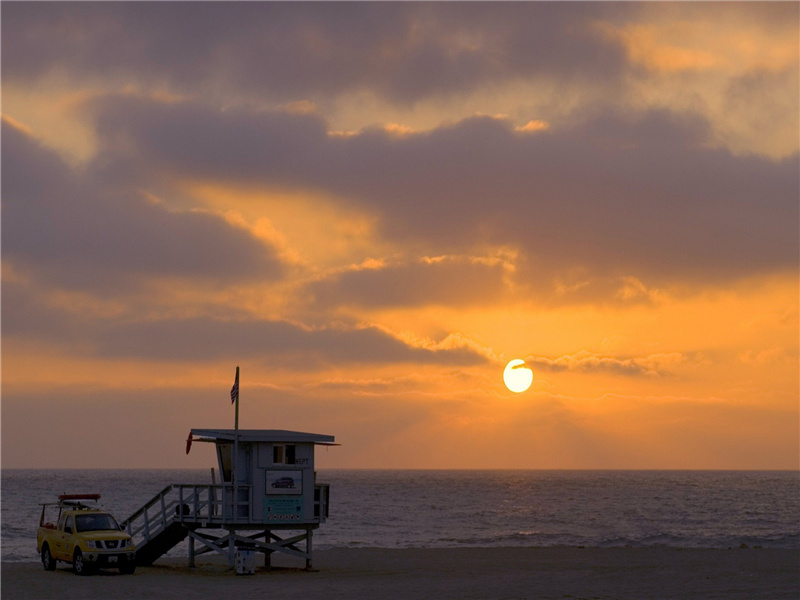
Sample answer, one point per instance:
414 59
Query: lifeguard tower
267 487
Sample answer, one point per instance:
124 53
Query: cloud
77 230
611 195
653 365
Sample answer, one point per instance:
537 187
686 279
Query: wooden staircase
166 520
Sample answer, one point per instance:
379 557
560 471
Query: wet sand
362 574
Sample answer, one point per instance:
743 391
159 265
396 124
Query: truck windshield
101 522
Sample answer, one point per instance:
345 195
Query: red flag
235 388
189 443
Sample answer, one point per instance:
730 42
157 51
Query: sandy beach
535 573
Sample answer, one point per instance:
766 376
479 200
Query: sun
517 376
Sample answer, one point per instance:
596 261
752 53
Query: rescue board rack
74 500
71 501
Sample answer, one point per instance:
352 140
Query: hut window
290 454
283 454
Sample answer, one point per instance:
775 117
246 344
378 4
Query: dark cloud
447 281
619 195
141 140
27 315
611 196
79 233
402 52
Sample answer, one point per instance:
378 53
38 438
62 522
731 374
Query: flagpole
236 424
236 451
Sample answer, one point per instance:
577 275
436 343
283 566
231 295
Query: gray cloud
80 233
402 52
449 281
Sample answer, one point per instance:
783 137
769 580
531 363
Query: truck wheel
81 568
48 562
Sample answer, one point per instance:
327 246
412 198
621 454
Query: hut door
225 457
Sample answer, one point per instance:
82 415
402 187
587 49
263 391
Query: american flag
235 388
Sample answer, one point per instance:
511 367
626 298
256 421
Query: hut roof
261 435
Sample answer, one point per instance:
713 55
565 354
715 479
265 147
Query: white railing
203 505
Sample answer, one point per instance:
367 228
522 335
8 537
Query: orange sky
372 208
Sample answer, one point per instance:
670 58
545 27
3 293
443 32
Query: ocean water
400 509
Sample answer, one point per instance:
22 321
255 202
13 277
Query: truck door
65 537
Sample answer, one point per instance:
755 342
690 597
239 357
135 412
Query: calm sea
399 509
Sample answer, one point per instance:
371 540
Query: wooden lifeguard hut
267 487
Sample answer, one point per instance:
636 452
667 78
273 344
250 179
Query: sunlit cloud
646 45
301 107
533 126
396 129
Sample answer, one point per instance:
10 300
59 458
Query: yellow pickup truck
85 536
